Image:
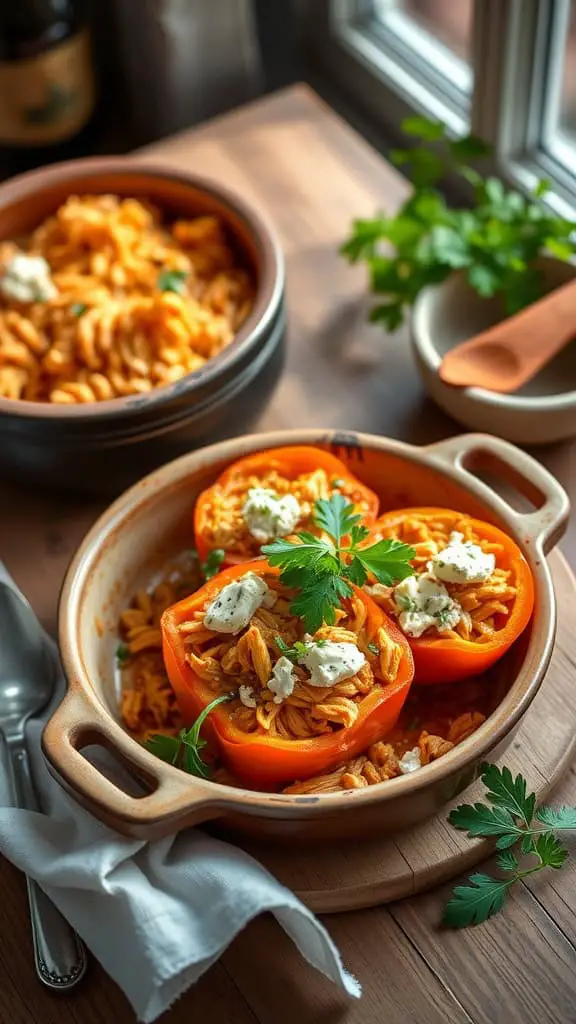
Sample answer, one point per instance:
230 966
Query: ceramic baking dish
154 520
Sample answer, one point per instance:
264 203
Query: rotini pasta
487 604
432 723
130 303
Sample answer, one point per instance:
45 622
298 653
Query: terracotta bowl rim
269 289
508 713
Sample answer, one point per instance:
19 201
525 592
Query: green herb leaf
485 280
387 560
508 792
298 650
527 843
318 599
542 187
355 572
366 233
424 128
373 648
497 241
557 817
321 569
480 820
336 516
507 861
552 854
390 314
563 250
470 147
475 903
78 308
184 750
122 653
211 566
173 281
167 748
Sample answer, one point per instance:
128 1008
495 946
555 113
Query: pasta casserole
105 299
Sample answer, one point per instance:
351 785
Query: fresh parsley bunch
495 242
322 569
184 750
520 830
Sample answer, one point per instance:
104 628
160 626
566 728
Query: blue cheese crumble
462 562
268 516
283 680
422 602
246 695
410 761
27 279
331 662
232 609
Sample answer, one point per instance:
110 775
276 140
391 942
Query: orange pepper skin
290 462
265 763
449 660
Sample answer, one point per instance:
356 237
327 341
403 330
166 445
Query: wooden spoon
507 355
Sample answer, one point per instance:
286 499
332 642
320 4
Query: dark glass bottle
47 90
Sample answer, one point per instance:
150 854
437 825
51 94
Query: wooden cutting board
353 875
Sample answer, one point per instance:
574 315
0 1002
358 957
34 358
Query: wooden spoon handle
518 347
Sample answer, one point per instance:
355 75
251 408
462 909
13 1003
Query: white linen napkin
156 915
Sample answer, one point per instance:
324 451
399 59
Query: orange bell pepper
447 660
290 462
267 763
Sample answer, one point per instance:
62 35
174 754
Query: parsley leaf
336 516
557 817
318 599
507 860
184 750
387 560
211 566
481 820
172 281
122 654
548 847
78 308
373 648
322 569
505 791
496 242
510 820
298 649
474 903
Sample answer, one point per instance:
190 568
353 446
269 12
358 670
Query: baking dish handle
78 722
470 453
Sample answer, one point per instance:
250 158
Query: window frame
511 101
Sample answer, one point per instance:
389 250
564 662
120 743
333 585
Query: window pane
449 23
568 91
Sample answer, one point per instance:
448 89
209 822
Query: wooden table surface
313 174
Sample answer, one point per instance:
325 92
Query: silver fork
27 681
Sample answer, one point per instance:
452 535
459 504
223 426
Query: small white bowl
544 410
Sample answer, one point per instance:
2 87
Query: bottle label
49 98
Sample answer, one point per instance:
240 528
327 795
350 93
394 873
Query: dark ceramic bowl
102 447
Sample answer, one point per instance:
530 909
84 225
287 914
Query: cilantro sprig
322 569
184 749
511 820
495 242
